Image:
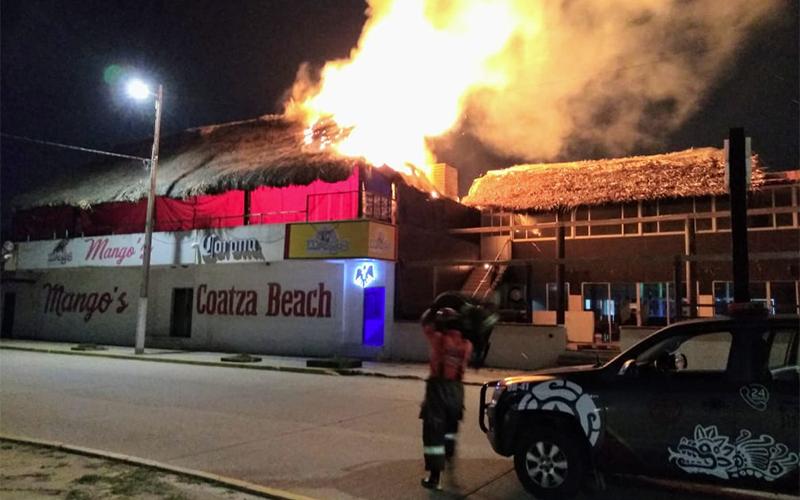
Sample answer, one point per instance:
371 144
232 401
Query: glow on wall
374 314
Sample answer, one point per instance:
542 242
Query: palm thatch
267 151
556 186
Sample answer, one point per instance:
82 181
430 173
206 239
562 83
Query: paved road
322 436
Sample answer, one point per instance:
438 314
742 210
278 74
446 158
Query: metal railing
489 269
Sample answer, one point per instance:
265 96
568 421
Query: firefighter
477 323
443 406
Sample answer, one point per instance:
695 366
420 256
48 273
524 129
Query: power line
75 148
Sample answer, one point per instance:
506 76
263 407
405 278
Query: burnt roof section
266 151
557 186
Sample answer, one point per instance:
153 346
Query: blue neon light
373 319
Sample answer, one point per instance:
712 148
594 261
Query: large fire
525 77
407 80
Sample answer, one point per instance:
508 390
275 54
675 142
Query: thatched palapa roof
267 151
547 187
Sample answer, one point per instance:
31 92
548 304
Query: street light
140 91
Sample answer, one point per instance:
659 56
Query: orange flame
527 78
407 79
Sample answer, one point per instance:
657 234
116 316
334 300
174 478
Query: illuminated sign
365 274
345 239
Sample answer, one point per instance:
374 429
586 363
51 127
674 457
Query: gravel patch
34 472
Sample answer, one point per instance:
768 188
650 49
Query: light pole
139 90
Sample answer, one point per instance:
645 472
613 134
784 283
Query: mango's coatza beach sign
349 239
278 300
60 300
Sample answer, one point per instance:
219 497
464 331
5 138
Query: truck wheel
550 463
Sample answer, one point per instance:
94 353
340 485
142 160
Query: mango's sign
257 243
85 303
350 239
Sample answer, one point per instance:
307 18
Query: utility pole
738 181
689 250
560 253
141 322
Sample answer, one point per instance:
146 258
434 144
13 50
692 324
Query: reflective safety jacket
450 352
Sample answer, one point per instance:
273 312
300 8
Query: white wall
291 331
524 347
109 310
513 346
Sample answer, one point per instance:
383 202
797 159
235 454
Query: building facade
304 289
262 243
623 257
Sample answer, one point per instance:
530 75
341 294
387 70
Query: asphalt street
328 437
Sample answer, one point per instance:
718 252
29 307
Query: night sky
229 60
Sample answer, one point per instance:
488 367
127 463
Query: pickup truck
710 401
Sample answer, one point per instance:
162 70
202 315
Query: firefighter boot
432 482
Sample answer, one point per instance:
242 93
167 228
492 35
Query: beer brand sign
215 248
326 241
210 246
381 241
350 239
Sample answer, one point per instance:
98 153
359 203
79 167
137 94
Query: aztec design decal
566 397
755 395
710 453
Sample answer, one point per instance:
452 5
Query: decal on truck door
755 395
566 397
708 452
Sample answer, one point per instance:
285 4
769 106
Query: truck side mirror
629 369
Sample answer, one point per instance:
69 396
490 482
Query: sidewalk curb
287 369
227 482
313 371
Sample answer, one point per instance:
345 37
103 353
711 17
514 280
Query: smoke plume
527 78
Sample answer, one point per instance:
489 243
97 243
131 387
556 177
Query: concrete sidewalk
413 371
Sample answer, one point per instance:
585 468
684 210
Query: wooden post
738 194
560 252
691 267
677 286
362 193
529 292
246 207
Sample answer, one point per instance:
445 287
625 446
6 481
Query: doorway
374 314
597 298
181 320
9 304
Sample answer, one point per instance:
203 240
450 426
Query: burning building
263 242
266 242
267 226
